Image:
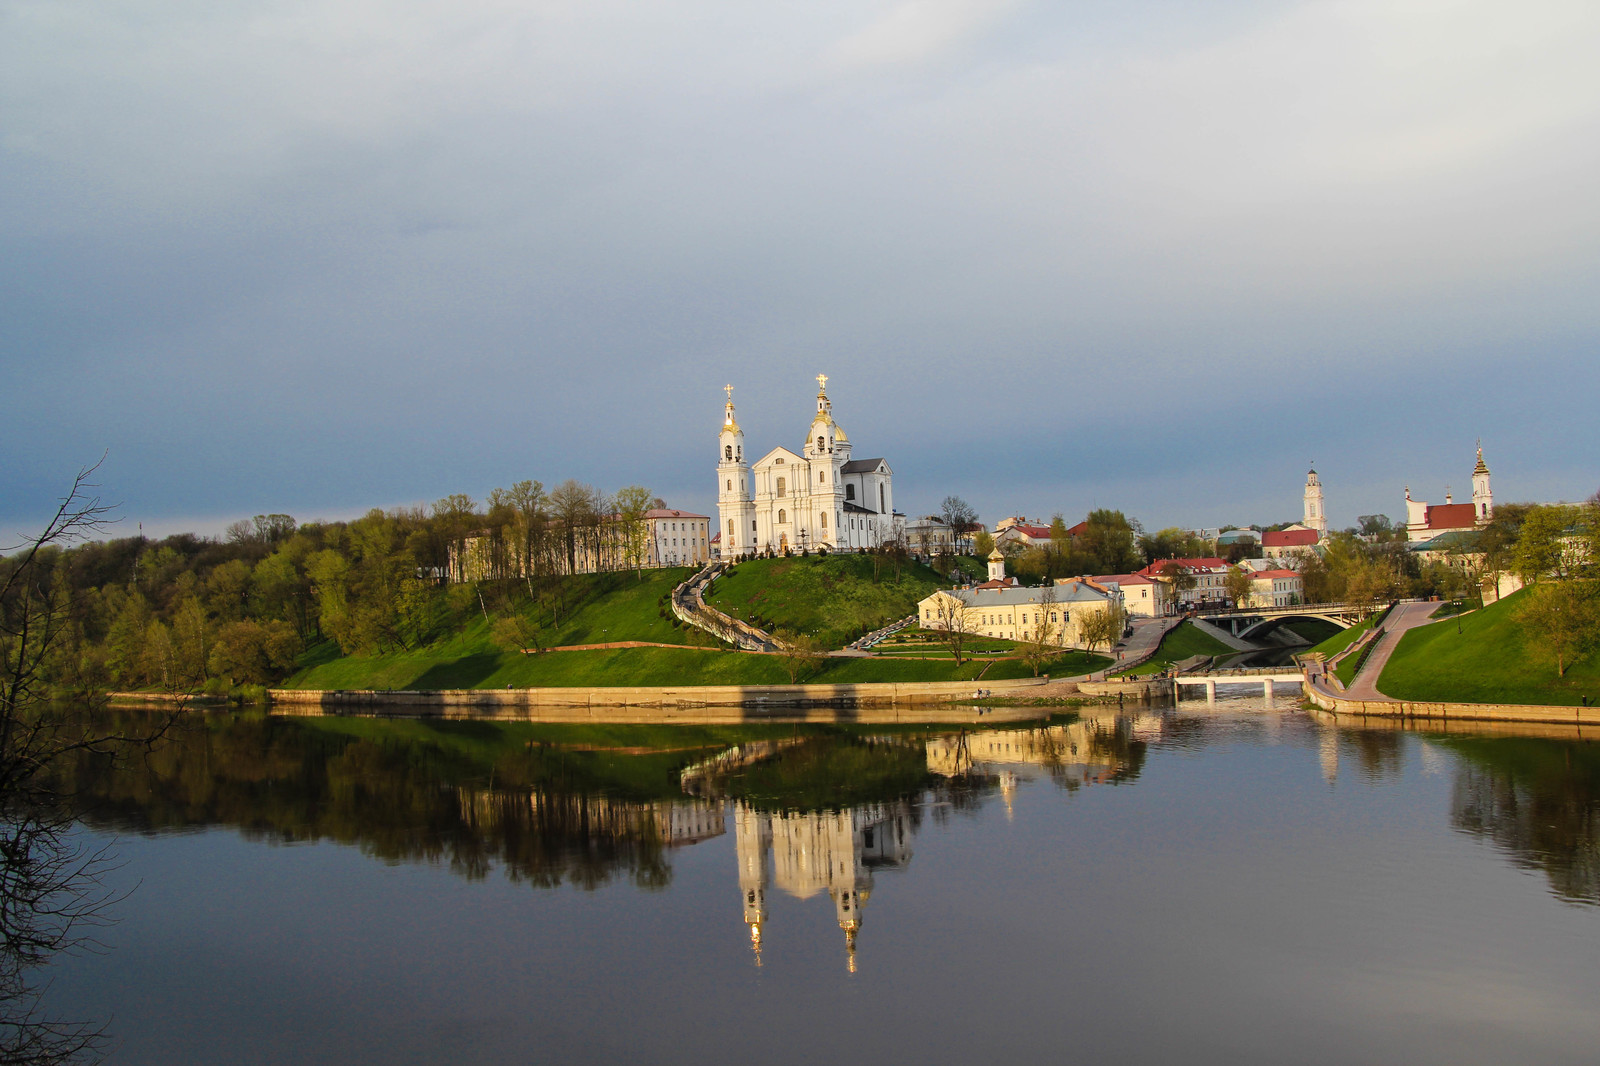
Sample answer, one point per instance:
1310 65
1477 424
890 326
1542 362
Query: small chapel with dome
817 497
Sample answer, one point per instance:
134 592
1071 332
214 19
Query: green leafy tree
802 655
1547 543
1108 541
1101 626
633 526
1562 619
1240 585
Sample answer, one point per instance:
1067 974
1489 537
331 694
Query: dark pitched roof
860 466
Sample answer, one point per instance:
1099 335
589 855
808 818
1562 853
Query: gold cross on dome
822 382
729 390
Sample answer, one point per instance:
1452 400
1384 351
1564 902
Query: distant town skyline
1153 256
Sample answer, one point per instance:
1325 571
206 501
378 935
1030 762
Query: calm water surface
1225 883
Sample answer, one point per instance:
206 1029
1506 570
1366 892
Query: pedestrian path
1404 617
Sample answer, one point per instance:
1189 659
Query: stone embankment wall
1420 710
838 695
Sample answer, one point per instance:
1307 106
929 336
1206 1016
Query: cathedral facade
817 497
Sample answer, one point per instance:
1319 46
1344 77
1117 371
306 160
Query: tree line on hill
186 612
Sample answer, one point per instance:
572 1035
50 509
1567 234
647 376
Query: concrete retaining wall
1451 712
687 696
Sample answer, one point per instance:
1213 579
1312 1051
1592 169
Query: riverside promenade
1363 699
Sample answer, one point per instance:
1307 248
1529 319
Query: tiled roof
661 512
1289 538
1452 516
1160 565
860 466
1126 579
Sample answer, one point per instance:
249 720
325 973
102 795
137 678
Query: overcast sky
320 256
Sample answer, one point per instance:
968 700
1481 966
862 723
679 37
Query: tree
1041 643
1101 625
1179 578
49 887
801 655
577 512
1546 543
951 618
633 506
1240 585
1108 541
962 519
983 544
1563 621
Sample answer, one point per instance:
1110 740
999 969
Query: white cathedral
817 497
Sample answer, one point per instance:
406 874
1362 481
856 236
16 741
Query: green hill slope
1488 661
835 598
1181 642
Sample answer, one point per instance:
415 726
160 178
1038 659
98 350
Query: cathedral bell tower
1315 517
1482 498
735 511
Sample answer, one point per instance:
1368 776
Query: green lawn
834 598
606 607
1342 639
1488 661
1312 630
1182 642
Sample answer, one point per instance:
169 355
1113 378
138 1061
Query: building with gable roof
817 497
1425 521
1004 609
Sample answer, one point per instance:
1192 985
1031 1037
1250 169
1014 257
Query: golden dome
839 434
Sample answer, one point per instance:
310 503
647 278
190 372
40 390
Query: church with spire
816 497
1426 521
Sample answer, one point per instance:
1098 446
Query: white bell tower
735 509
1482 498
1315 517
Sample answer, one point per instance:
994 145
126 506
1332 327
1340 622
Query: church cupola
731 440
1482 498
825 439
997 566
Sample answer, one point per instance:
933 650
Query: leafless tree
51 892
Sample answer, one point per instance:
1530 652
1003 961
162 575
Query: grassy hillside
1181 642
1343 639
835 598
606 607
1312 630
440 668
1487 662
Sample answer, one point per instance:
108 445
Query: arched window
783 516
881 508
819 444
849 492
824 517
821 477
727 452
730 484
783 486
730 527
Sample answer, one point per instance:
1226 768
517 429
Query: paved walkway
1147 634
1405 616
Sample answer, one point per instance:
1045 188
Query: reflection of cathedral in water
834 852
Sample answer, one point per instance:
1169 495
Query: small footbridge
1244 622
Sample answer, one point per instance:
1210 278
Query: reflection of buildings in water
1092 750
667 823
812 852
1328 753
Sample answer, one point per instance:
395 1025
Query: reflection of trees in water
1539 801
543 819
51 898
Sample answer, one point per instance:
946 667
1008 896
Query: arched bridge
1243 622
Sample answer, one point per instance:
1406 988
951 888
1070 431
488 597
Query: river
1214 883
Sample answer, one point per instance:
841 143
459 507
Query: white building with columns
817 497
